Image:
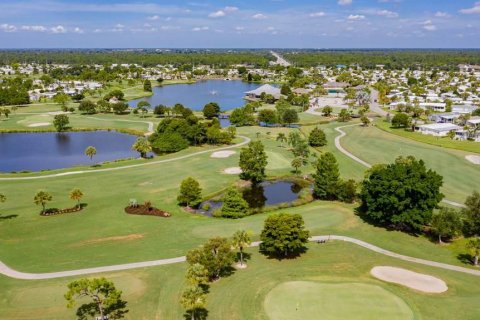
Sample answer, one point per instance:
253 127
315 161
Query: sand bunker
233 170
413 280
473 159
222 154
54 113
39 124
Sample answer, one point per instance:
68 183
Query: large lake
50 150
228 94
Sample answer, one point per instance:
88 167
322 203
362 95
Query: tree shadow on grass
281 256
246 257
362 214
8 217
200 314
465 258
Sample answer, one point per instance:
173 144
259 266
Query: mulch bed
145 211
54 212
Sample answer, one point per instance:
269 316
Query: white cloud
78 30
153 18
34 28
259 16
440 14
356 17
196 29
58 29
8 27
119 26
317 14
239 28
217 14
429 26
387 13
230 9
344 2
473 10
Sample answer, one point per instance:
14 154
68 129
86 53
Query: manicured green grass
376 146
356 301
154 293
468 146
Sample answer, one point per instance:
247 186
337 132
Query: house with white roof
267 89
438 129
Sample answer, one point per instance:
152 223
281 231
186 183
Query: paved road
69 173
9 272
374 106
280 60
338 145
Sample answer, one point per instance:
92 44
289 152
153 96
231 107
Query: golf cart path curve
9 272
338 145
69 173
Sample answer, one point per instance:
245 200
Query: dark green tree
106 300
402 194
267 116
147 86
290 116
472 214
87 106
253 161
317 138
60 122
211 110
234 206
190 193
216 256
401 120
326 177
283 234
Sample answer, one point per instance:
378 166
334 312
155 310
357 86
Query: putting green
330 301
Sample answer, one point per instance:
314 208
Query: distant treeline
391 59
143 58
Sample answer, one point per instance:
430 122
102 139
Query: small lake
268 193
228 94
51 150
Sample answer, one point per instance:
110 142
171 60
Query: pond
228 94
268 193
51 150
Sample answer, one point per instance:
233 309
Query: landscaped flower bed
54 211
146 211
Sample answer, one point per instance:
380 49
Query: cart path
245 141
338 145
9 272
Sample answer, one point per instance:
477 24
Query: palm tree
76 194
142 146
41 198
90 151
241 239
282 138
474 246
193 299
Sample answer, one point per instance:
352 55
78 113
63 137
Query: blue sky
240 24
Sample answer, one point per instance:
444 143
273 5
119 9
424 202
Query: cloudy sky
240 24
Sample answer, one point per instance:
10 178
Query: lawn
154 293
445 142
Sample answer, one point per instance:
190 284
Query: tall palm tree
76 194
41 198
90 152
474 246
142 146
282 138
241 239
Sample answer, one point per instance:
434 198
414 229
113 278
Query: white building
438 129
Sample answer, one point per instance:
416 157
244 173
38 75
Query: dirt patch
413 280
129 237
54 113
222 154
473 159
146 183
233 170
39 124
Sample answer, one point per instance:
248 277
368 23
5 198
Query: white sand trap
473 159
54 113
222 154
413 280
233 170
39 124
